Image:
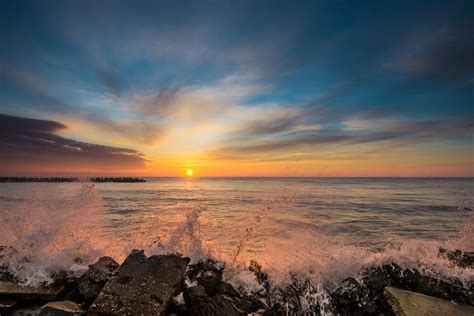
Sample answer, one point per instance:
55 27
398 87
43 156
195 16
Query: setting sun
189 172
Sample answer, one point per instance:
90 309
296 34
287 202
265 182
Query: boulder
62 308
6 274
27 293
7 303
92 282
377 278
220 304
142 286
207 274
213 296
460 258
407 303
353 298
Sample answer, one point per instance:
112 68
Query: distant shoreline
72 179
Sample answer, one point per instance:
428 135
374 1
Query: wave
44 236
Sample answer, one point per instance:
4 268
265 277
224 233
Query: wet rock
261 277
143 286
92 282
6 274
406 303
213 296
353 298
207 274
298 296
460 258
62 308
27 293
220 304
6 304
376 278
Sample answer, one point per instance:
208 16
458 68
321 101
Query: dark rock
6 274
366 297
62 308
143 286
202 305
261 277
207 274
213 296
353 298
460 258
27 293
6 303
92 282
376 278
289 300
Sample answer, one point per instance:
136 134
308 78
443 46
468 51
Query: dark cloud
16 80
111 81
443 54
32 143
269 126
398 133
264 148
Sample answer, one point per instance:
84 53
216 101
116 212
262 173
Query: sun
189 172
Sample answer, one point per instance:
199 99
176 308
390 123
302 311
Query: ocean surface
325 229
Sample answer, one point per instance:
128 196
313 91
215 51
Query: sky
237 88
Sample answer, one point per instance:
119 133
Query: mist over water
324 229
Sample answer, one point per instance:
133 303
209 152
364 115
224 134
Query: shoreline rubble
170 285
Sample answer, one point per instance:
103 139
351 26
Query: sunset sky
237 88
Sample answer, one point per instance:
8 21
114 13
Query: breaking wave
41 235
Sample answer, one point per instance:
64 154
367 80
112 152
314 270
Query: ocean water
324 229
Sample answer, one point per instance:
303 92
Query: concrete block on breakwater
407 303
72 179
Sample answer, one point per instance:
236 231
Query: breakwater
72 179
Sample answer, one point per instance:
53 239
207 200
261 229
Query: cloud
110 81
259 149
272 123
32 143
26 83
319 141
15 80
442 54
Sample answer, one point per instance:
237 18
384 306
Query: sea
322 229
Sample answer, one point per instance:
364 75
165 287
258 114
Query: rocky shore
170 285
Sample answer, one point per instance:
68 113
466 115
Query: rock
458 257
297 296
62 308
207 274
201 305
6 274
15 291
353 298
7 303
260 312
261 277
92 282
376 278
143 286
406 303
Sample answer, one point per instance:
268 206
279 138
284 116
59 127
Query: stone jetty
72 179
